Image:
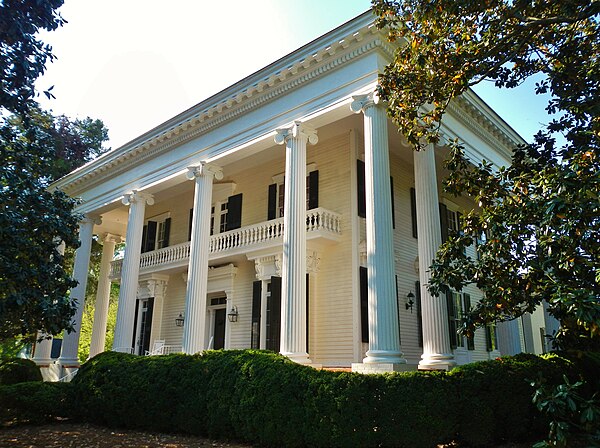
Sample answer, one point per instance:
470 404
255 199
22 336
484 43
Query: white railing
165 350
317 220
68 377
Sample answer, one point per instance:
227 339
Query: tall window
277 193
156 233
458 305
224 215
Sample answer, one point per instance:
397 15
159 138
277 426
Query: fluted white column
509 338
293 266
194 327
70 343
103 295
437 352
123 340
384 331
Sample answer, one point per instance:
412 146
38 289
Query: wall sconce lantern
233 314
179 320
409 301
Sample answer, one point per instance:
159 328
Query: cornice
493 131
322 56
239 102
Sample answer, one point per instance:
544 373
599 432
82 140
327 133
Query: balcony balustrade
320 223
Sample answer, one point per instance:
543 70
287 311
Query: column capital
297 130
112 238
204 169
360 103
91 218
137 196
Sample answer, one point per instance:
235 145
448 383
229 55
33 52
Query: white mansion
287 213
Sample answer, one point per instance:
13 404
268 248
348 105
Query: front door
219 335
143 326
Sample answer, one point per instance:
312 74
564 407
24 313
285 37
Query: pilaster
137 202
293 268
384 330
194 328
437 352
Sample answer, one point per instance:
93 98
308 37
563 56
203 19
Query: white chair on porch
157 348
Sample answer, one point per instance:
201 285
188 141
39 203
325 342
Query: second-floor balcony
321 225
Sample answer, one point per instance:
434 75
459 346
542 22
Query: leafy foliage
568 410
264 398
34 278
537 222
35 402
23 56
18 370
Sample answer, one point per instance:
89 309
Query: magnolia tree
536 222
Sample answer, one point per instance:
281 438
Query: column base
437 362
300 358
51 372
384 357
381 367
43 362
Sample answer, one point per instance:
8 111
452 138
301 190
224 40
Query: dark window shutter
313 189
55 350
148 326
307 308
444 222
190 224
393 206
275 313
151 236
234 212
272 209
489 344
419 313
144 238
167 232
413 211
467 308
135 319
398 305
451 319
256 307
364 304
360 183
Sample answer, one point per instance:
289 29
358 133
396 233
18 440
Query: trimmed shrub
34 402
263 398
18 370
495 401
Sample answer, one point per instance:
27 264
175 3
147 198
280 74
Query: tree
537 222
23 56
34 276
34 284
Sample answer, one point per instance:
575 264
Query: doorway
219 334
142 326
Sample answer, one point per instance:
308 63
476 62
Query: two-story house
287 213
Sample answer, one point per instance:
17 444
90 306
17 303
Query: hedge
18 370
34 402
263 398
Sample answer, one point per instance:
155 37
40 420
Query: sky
136 63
